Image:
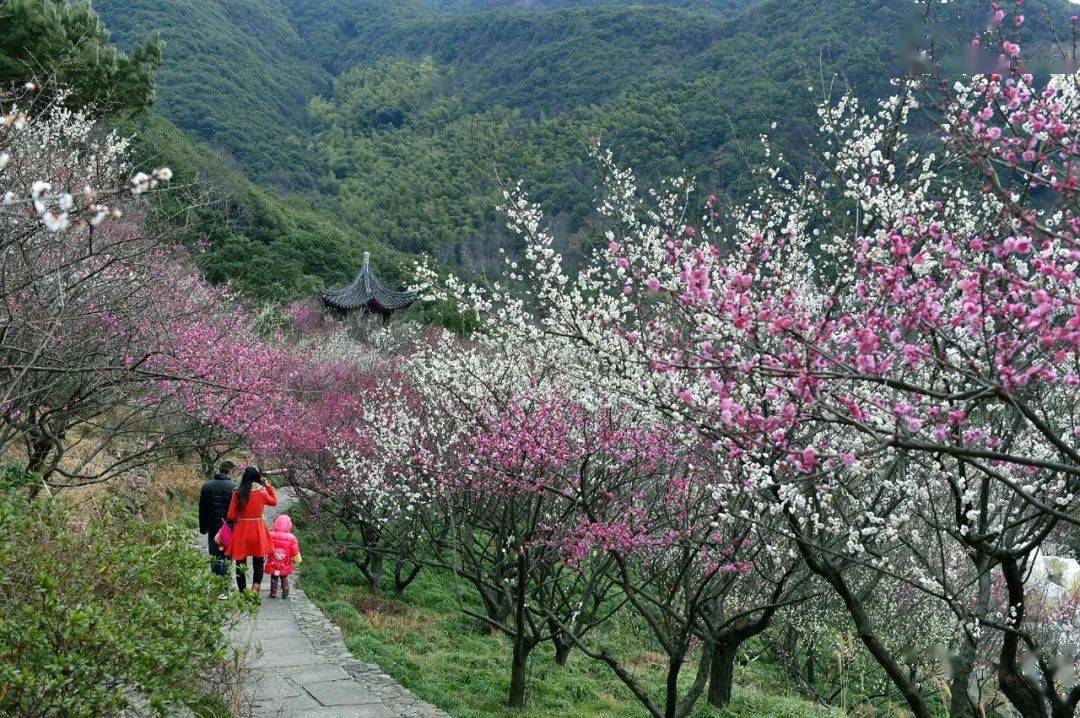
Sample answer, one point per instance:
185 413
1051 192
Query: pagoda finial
367 261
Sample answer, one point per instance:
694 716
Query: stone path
301 667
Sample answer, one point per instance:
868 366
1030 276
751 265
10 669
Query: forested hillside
236 75
466 6
540 62
397 118
268 246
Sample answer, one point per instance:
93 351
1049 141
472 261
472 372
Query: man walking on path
213 508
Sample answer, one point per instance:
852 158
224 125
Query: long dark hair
251 476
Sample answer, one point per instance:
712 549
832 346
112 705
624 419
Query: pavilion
367 296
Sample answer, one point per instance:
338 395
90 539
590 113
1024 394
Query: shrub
15 477
117 617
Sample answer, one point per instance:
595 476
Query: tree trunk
671 701
722 673
403 578
791 641
561 641
520 662
1024 696
562 650
38 452
962 664
865 628
374 572
960 705
496 607
519 672
36 489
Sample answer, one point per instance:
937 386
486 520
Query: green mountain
726 7
236 75
541 62
396 119
270 247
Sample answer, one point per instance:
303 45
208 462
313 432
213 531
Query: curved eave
388 301
378 301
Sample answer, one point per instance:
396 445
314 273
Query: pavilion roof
367 292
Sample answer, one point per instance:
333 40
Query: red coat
286 548
250 537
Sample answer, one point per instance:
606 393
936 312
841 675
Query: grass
444 657
188 519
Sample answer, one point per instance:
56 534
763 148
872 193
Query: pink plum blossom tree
887 348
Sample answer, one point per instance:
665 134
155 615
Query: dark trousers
284 585
219 562
256 575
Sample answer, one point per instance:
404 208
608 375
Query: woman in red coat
250 537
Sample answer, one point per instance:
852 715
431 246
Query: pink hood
286 548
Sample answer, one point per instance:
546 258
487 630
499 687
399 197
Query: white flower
141 182
5 159
100 213
56 222
9 198
38 191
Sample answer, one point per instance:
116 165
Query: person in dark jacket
213 508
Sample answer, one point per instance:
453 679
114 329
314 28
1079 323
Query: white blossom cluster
57 167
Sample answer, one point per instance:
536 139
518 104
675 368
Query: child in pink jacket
286 552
